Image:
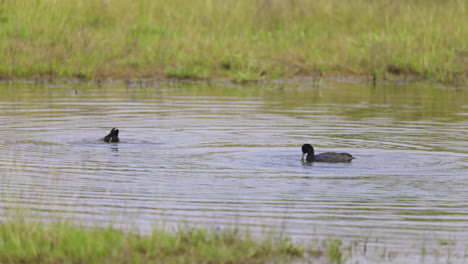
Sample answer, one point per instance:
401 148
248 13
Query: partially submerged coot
113 136
324 157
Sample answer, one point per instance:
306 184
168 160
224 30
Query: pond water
229 155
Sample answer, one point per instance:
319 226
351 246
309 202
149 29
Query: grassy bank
63 242
239 40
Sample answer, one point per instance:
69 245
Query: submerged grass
63 242
241 40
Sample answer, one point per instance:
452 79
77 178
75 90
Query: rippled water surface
228 155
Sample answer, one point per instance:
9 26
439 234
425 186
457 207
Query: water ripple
236 160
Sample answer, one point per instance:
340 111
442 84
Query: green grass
239 40
23 241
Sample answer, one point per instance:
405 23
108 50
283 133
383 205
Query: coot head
307 149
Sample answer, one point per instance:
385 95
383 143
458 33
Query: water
226 155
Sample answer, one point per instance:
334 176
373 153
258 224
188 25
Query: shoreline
158 80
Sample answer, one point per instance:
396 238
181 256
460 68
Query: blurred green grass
239 40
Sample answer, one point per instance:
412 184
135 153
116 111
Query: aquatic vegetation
240 40
25 241
334 251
